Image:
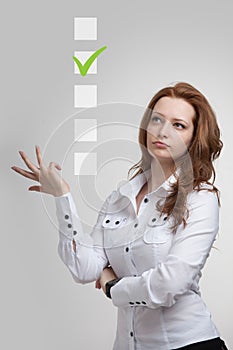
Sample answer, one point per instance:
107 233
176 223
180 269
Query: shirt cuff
124 295
68 220
69 196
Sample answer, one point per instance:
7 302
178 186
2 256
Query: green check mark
83 68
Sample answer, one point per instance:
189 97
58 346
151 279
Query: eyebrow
154 112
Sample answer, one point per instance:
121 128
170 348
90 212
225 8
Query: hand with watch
107 280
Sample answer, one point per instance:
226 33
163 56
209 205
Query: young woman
154 234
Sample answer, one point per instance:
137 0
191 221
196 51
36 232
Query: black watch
109 285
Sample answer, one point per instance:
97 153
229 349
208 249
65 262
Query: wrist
61 192
109 285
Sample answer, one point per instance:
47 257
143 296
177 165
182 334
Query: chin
158 155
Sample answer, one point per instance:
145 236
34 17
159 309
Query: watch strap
109 285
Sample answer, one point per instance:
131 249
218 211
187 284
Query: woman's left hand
107 275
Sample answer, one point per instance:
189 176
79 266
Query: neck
160 172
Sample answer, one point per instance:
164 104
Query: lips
160 143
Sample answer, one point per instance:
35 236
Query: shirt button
131 334
117 222
143 302
75 233
66 217
131 303
127 249
153 220
146 200
107 221
69 225
135 225
138 302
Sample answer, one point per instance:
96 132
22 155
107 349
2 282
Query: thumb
35 188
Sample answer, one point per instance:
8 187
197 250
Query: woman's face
171 123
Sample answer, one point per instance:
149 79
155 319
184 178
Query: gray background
150 45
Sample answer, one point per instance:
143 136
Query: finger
25 173
97 284
54 165
35 188
29 164
58 167
38 155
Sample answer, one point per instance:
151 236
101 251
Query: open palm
49 179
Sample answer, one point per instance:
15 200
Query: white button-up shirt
158 297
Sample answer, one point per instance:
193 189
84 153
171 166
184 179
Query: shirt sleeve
87 263
162 285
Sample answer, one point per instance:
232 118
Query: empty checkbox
85 96
85 28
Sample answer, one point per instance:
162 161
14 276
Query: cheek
150 131
149 136
188 139
180 144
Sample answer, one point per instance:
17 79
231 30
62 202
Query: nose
164 129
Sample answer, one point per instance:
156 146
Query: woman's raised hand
50 181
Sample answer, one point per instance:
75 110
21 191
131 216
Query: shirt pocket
113 222
156 231
115 228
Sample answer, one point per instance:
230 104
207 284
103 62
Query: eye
180 126
156 119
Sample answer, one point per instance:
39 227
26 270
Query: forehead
171 107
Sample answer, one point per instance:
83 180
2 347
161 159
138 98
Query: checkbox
85 130
85 163
85 28
83 57
85 96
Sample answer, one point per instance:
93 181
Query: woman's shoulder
205 185
204 194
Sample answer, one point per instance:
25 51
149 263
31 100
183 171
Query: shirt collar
132 187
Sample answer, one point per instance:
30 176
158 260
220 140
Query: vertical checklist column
85 96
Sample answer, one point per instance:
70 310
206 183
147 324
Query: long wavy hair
196 165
